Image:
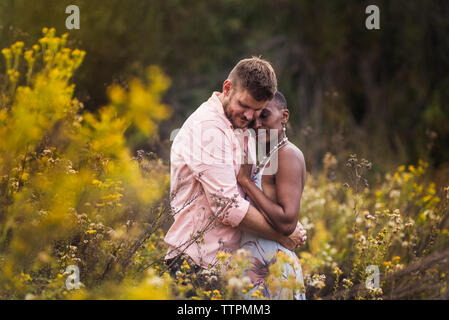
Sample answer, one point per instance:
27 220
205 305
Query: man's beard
228 114
230 117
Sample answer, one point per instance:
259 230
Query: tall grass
72 193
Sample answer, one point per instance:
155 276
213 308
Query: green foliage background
379 93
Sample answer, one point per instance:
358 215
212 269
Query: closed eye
264 114
243 105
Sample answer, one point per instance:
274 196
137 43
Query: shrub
71 192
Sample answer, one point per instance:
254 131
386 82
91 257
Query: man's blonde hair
255 75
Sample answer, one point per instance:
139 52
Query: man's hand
299 236
288 243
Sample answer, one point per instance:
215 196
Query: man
208 206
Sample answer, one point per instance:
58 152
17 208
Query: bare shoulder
292 166
291 153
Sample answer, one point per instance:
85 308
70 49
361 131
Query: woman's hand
244 175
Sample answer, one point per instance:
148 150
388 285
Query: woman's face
270 121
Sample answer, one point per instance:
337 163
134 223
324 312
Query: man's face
240 107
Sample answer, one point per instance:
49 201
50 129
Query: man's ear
227 87
285 116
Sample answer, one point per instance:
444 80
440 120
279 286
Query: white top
257 178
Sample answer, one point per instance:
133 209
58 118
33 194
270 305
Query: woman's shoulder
292 157
291 163
291 152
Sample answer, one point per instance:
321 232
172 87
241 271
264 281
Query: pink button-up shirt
205 160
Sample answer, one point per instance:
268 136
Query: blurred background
382 94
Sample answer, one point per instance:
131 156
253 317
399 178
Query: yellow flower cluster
61 167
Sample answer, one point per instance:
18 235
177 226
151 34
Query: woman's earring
284 128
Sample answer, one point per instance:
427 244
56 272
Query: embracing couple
222 201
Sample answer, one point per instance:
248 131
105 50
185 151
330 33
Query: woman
275 187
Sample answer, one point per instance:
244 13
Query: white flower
306 224
376 291
317 280
30 296
206 272
235 283
155 282
399 267
395 194
246 280
362 239
243 252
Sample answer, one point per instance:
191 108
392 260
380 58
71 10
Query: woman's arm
290 180
257 225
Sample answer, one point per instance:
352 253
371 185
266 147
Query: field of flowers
73 193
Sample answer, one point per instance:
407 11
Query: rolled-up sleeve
212 161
